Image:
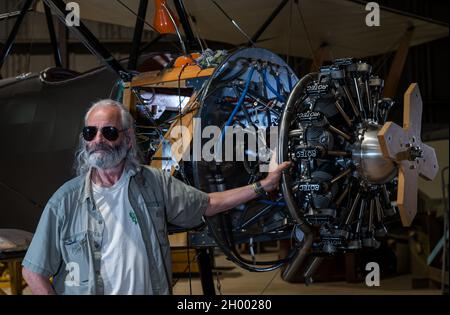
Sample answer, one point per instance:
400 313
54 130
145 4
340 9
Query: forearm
38 284
224 200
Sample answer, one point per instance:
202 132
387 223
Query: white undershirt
124 264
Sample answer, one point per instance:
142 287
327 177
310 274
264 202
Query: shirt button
100 222
96 245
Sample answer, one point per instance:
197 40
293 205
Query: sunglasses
109 132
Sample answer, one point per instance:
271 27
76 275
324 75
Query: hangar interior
360 110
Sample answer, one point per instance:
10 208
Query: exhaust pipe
290 271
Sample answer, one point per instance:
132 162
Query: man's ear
129 135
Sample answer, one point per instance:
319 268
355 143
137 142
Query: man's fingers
274 167
284 165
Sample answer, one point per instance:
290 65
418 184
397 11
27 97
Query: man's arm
222 201
38 284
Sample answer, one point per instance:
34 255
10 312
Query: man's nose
99 137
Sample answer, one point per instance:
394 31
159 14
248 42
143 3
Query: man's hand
272 181
38 284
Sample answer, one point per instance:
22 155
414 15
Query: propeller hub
369 159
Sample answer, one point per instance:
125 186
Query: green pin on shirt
133 217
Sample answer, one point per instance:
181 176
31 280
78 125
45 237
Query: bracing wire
197 33
137 16
302 19
289 41
183 45
233 22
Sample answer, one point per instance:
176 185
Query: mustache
102 147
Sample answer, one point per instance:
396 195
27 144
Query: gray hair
133 156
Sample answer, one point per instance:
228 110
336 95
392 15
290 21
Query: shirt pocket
76 255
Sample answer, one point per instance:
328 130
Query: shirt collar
87 193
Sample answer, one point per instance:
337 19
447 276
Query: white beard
108 158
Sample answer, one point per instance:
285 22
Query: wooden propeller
412 156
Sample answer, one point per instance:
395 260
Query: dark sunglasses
109 132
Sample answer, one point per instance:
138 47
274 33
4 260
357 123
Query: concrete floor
233 280
238 281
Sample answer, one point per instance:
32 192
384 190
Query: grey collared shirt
67 242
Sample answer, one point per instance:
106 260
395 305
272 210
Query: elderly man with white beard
105 231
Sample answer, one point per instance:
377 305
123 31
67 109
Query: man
105 231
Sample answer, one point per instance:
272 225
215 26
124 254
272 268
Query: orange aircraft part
162 21
186 60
